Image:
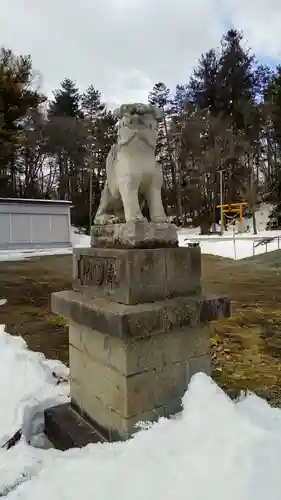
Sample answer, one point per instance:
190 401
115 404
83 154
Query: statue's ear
120 112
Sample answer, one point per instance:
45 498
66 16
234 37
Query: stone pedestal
136 276
137 333
138 234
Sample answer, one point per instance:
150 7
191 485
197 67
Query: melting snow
215 449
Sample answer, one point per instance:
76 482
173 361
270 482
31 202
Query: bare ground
246 348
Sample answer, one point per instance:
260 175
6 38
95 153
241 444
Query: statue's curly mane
138 109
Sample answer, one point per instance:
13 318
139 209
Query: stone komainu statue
132 174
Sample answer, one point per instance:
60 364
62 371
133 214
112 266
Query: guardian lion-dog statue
132 176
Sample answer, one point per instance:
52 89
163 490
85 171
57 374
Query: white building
27 224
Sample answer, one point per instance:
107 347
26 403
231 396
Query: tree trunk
253 210
173 172
205 226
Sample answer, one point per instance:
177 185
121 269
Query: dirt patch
27 286
246 348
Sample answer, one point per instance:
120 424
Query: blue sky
124 46
269 61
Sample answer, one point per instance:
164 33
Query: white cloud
124 46
260 20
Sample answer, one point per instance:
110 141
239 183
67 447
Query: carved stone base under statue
139 234
137 333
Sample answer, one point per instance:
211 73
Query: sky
123 47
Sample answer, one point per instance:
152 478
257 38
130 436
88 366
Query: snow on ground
215 449
26 378
234 246
15 255
78 240
243 245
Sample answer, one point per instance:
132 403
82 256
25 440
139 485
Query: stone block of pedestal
132 276
131 363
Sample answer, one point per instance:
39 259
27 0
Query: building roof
35 200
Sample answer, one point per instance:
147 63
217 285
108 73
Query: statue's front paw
106 219
160 218
137 218
114 220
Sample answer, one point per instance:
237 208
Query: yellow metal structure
235 208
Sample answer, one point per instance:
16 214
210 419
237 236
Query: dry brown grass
27 286
246 348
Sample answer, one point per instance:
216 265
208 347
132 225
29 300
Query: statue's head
138 121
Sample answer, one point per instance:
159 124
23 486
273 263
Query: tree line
226 117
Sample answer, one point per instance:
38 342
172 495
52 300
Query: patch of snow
78 240
215 449
27 379
236 247
15 255
3 302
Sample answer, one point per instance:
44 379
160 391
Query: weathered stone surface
77 360
166 349
66 429
199 364
77 391
139 234
141 320
117 427
89 419
138 355
137 276
170 383
126 395
140 387
105 349
67 426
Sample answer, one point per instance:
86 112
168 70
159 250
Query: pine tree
67 137
227 84
203 91
16 99
160 96
101 134
100 124
274 106
66 101
236 82
275 97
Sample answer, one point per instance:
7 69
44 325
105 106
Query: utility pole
90 198
221 200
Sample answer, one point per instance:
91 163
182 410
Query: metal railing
266 241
